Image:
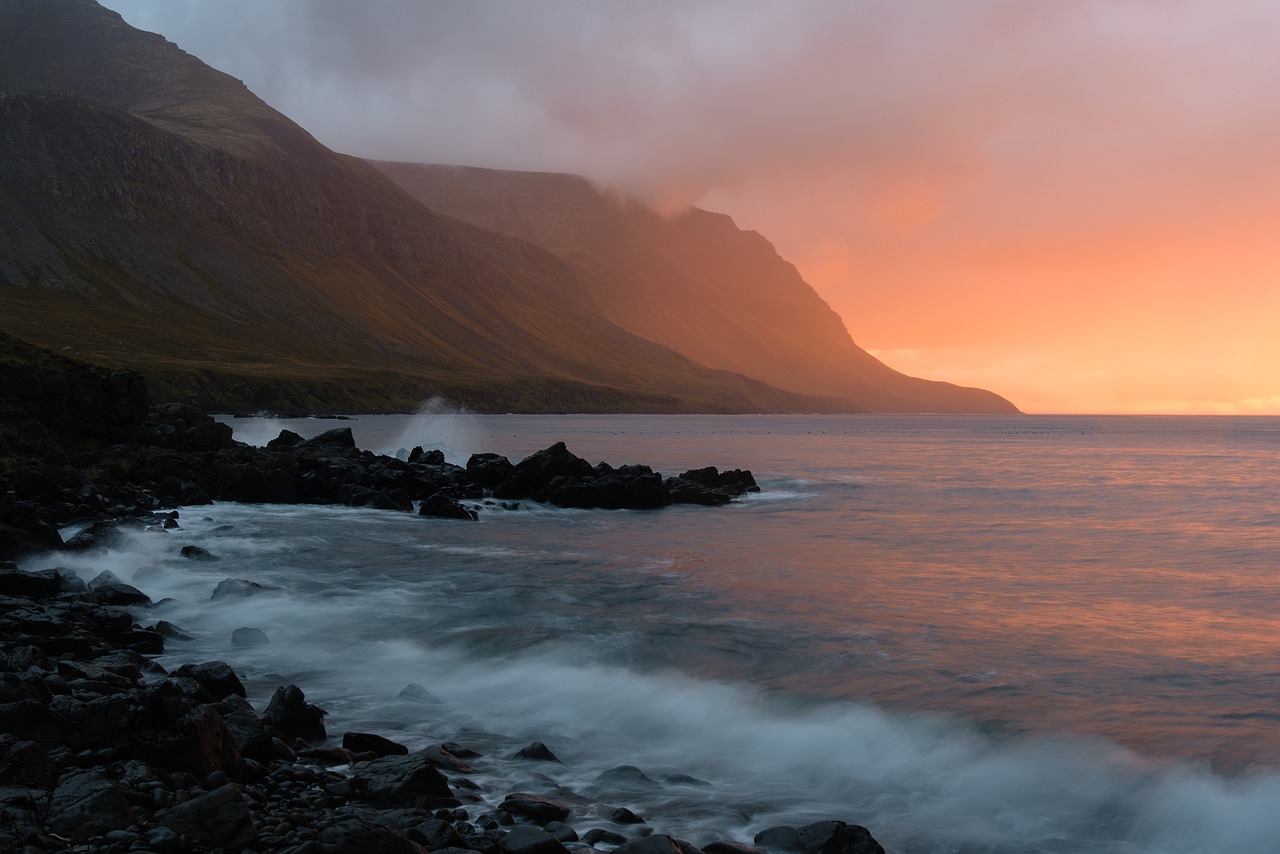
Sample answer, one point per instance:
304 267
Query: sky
1073 203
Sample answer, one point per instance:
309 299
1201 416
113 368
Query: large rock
822 837
633 487
110 590
85 804
443 507
536 471
534 807
404 780
293 716
215 679
217 819
531 840
353 835
657 844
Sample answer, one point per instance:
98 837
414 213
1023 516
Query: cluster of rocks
188 458
103 750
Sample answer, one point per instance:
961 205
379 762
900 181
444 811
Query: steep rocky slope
693 282
157 215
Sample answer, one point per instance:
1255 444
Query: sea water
970 634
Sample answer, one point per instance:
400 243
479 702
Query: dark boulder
354 835
489 470
534 807
684 491
657 844
216 819
238 588
436 834
339 438
536 751
197 553
34 585
215 679
286 439
110 590
406 780
293 716
536 471
441 506
735 481
86 804
531 840
249 636
823 837
367 742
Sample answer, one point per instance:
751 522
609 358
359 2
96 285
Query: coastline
106 751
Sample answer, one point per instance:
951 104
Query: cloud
960 173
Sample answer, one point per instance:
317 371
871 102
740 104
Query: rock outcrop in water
81 445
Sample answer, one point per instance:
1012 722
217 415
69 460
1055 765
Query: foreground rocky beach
103 749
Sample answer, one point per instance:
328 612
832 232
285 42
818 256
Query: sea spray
439 424
498 625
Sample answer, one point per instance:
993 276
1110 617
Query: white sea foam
438 424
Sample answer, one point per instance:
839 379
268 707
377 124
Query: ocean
969 634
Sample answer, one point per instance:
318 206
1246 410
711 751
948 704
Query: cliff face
158 216
694 282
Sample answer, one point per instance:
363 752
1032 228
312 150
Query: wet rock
534 807
441 757
823 837
217 819
626 777
734 482
406 780
621 815
598 835
436 834
110 590
215 679
689 492
25 763
42 585
238 588
561 831
249 636
197 553
166 629
658 844
489 470
338 438
729 847
442 506
537 751
417 693
293 716
531 840
353 835
85 804
286 439
367 742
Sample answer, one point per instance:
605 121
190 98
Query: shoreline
106 751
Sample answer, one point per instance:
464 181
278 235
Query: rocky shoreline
103 750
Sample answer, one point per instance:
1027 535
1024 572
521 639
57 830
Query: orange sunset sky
1075 204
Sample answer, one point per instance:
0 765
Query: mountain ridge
159 216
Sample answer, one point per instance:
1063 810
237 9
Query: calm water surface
968 633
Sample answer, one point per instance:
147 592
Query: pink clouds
1033 181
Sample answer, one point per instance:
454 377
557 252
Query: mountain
156 215
694 282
